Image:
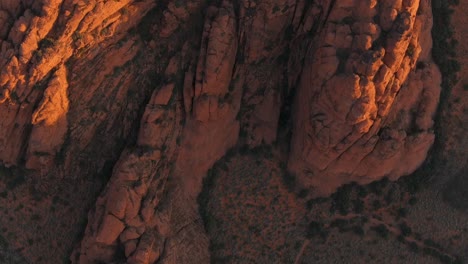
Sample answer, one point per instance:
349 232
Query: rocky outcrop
152 216
49 119
367 96
142 98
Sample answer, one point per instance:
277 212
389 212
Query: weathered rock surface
363 110
150 94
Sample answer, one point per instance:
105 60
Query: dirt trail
301 252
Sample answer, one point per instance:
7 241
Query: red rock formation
155 92
363 111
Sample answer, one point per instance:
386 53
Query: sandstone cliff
131 103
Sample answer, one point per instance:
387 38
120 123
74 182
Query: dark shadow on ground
455 192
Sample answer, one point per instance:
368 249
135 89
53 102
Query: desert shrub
457 260
381 230
3 242
36 194
430 251
36 217
391 196
15 181
378 186
358 230
289 180
358 206
410 51
413 247
402 212
431 243
314 229
401 238
77 36
413 183
445 259
342 224
341 199
303 193
362 191
405 229
47 43
376 204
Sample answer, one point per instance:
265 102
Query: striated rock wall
157 91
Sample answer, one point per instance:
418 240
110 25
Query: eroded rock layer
153 93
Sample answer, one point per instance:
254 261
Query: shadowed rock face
159 91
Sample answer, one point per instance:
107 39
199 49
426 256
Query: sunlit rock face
155 92
367 95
